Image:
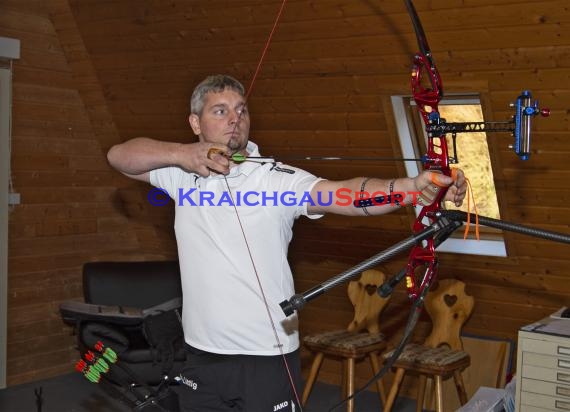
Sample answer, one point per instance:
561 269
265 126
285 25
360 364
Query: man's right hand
137 157
202 158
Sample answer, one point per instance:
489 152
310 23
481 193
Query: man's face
224 120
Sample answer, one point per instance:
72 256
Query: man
233 227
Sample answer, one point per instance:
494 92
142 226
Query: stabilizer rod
296 302
458 215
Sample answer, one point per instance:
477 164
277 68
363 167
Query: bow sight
519 126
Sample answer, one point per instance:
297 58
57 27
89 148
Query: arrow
239 158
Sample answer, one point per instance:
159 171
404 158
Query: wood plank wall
73 208
323 90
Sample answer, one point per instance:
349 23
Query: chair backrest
136 284
367 303
449 307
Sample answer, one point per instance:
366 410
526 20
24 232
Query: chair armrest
73 312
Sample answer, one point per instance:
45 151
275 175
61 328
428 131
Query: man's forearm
141 155
402 191
345 192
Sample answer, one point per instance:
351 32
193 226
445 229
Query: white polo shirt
223 310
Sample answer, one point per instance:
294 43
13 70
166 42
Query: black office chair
133 309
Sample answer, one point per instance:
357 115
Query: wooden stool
441 356
361 339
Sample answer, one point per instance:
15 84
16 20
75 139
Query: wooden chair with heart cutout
360 340
441 356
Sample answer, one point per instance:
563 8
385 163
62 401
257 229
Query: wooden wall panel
71 210
318 95
94 73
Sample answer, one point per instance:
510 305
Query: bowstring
264 298
250 254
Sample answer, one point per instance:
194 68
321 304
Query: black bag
162 328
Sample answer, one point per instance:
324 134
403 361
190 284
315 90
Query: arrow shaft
328 158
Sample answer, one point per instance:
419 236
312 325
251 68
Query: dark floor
73 393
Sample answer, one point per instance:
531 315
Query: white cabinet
543 367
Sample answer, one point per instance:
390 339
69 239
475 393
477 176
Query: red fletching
80 365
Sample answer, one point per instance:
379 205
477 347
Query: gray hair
216 84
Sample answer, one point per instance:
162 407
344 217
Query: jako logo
280 406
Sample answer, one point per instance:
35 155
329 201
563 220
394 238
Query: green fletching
101 366
110 355
93 375
238 158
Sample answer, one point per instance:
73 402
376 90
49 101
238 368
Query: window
9 50
472 156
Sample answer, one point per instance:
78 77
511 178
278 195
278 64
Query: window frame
494 246
9 51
